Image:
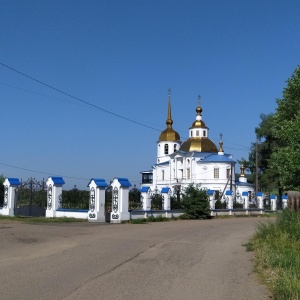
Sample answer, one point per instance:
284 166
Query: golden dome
202 144
199 143
169 134
198 123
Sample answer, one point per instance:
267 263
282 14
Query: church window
166 149
216 172
204 133
197 132
163 175
188 174
175 148
191 133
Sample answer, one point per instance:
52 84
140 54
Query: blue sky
122 56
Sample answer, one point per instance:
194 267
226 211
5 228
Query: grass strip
277 254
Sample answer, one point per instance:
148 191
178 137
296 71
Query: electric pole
256 167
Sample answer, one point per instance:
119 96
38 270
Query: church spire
199 110
221 151
169 121
169 134
242 171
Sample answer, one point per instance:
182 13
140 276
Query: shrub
195 202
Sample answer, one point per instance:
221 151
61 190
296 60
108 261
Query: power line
78 99
52 174
88 103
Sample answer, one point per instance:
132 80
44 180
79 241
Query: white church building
195 161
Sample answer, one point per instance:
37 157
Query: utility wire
78 99
86 102
51 174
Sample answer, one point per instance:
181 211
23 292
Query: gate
31 198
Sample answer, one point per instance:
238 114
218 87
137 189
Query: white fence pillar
245 196
146 199
96 211
211 194
260 200
284 201
54 195
273 199
120 199
10 186
229 200
166 196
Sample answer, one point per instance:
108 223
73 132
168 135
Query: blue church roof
228 193
284 197
165 190
217 158
99 182
244 193
14 181
259 194
272 196
239 183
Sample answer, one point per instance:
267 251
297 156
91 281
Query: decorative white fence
120 200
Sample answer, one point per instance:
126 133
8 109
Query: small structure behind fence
294 200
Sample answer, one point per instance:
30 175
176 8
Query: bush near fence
75 199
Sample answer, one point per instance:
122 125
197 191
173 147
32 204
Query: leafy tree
135 198
267 143
195 202
2 178
285 160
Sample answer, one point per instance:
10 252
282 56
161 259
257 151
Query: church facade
195 161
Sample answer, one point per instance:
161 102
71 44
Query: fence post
210 194
146 197
228 195
260 200
54 195
166 195
284 201
120 199
97 200
273 199
245 196
10 186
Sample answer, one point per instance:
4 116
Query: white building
195 161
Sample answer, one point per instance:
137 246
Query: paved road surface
169 260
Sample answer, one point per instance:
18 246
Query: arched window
175 147
163 175
166 149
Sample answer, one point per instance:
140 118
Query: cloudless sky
122 56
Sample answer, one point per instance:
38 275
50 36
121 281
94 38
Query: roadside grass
41 220
277 254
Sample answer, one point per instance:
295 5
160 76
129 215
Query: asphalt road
169 260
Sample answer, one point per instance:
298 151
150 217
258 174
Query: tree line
278 143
